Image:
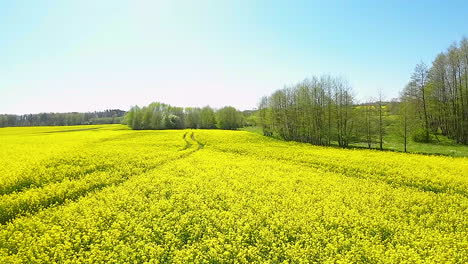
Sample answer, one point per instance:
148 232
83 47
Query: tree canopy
164 116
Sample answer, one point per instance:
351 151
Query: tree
439 95
343 102
419 78
163 116
380 110
316 111
136 120
207 118
228 118
405 120
192 119
366 122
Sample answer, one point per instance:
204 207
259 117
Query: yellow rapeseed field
107 194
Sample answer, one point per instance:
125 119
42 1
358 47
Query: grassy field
393 142
107 194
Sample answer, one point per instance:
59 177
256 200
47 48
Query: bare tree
380 109
419 78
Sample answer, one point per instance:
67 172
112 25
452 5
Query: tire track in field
200 145
24 181
52 167
55 194
188 144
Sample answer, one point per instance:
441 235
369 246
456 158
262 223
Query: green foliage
163 116
156 116
420 136
316 110
439 95
192 117
172 121
228 118
207 118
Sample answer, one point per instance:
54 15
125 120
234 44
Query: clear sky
60 56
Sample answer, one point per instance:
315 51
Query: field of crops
106 194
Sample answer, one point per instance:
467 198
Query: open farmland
108 194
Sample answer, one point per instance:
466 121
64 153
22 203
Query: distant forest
113 116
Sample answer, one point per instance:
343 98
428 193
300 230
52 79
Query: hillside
109 194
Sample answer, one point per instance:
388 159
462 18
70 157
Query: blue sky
59 56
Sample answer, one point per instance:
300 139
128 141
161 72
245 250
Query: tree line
163 116
320 110
111 116
438 95
323 111
317 110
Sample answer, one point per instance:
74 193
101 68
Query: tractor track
19 207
